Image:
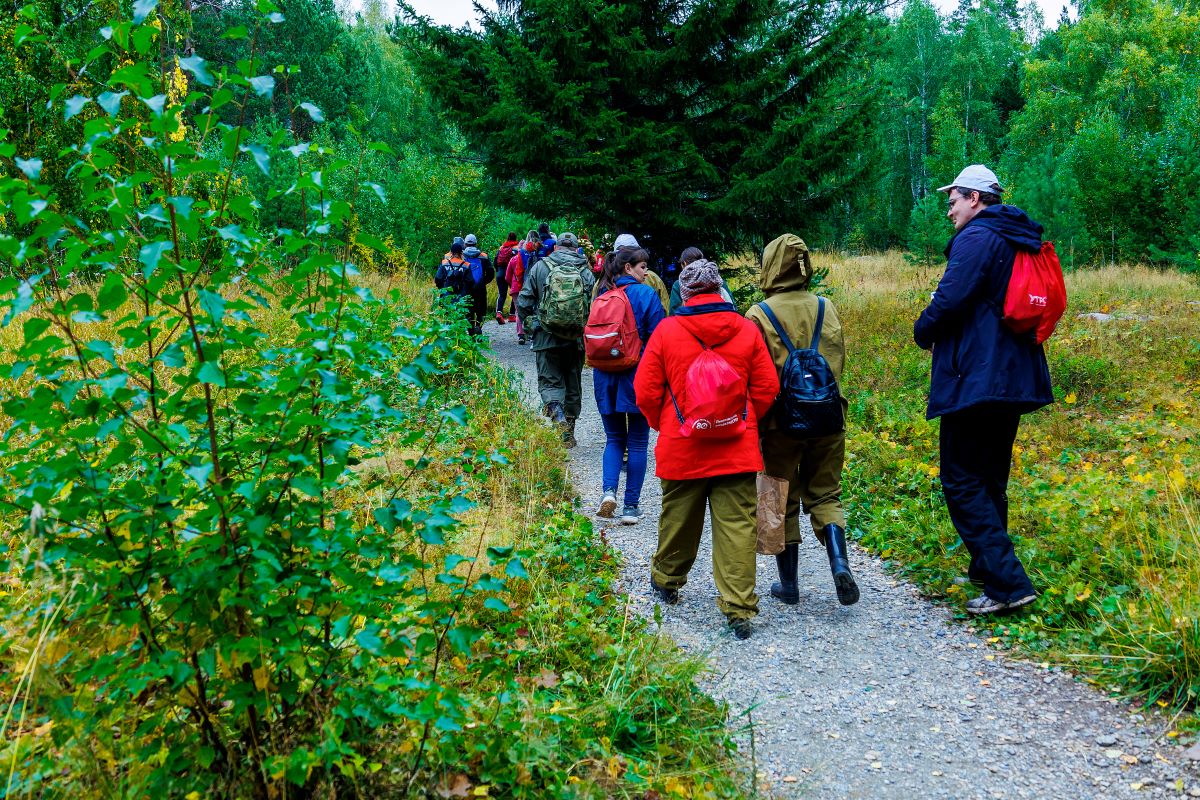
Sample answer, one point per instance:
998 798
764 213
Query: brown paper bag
772 507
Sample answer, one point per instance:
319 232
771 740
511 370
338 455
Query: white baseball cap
625 240
977 178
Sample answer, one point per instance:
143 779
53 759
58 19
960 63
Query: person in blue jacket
626 431
983 378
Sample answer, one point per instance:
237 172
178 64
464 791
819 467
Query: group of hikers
738 397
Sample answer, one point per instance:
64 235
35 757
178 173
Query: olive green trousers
732 501
813 470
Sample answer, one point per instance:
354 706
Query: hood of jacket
786 265
566 256
471 252
713 328
1009 223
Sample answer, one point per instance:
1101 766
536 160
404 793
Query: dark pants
976 452
502 295
560 371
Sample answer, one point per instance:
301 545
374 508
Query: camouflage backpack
564 307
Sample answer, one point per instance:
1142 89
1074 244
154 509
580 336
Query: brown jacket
786 273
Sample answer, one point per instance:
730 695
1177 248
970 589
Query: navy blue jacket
614 390
976 358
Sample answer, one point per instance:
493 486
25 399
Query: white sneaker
630 515
986 605
608 505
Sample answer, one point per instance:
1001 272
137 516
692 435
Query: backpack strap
787 342
816 340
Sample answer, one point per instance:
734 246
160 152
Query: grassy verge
554 689
1105 487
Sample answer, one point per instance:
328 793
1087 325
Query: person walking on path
983 378
811 466
626 430
481 275
627 241
553 307
504 255
453 278
675 299
696 471
521 262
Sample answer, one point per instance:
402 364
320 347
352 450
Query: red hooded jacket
669 353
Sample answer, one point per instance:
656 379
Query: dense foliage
719 122
236 473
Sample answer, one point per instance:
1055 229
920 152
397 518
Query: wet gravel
889 698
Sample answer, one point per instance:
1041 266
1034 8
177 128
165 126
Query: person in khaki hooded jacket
812 467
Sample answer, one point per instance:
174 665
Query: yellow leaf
1070 399
1127 460
1084 595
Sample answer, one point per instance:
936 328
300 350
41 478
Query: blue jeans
625 432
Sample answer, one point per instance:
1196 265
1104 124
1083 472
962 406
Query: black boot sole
787 598
847 589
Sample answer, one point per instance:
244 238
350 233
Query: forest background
211 211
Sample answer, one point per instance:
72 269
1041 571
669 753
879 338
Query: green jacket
534 289
786 273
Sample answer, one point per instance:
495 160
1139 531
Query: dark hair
616 262
986 198
689 255
512 236
456 248
544 229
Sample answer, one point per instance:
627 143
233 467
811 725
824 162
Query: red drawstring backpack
1037 294
715 398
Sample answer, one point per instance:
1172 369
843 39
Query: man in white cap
984 377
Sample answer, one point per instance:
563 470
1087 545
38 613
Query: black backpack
809 403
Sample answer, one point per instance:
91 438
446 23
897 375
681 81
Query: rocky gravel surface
890 698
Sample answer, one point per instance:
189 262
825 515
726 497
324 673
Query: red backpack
611 341
1037 294
715 398
504 256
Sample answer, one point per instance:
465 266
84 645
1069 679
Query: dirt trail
889 698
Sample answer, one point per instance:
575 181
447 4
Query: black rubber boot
785 589
839 564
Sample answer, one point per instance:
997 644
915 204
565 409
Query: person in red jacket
696 471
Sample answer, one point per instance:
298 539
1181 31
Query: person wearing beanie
812 467
553 308
454 279
696 471
503 256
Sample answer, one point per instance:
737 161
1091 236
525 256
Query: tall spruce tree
714 122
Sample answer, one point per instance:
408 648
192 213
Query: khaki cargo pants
732 501
813 470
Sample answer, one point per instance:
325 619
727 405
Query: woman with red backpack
636 311
506 252
704 381
521 262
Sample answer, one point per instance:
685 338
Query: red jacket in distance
669 353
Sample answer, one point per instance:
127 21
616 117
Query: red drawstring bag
1037 295
715 398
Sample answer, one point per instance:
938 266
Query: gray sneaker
608 505
986 605
630 515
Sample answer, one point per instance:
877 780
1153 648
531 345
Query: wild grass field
1105 487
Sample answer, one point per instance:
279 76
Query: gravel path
888 698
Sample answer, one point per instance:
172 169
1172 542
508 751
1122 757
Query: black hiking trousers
976 456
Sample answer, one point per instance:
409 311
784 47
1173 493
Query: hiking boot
665 596
785 590
986 605
520 338
512 317
742 628
500 318
554 411
839 564
608 505
630 515
568 433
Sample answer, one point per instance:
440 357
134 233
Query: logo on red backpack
1037 294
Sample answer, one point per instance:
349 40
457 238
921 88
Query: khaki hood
786 265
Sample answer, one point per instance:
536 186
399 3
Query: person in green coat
812 467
